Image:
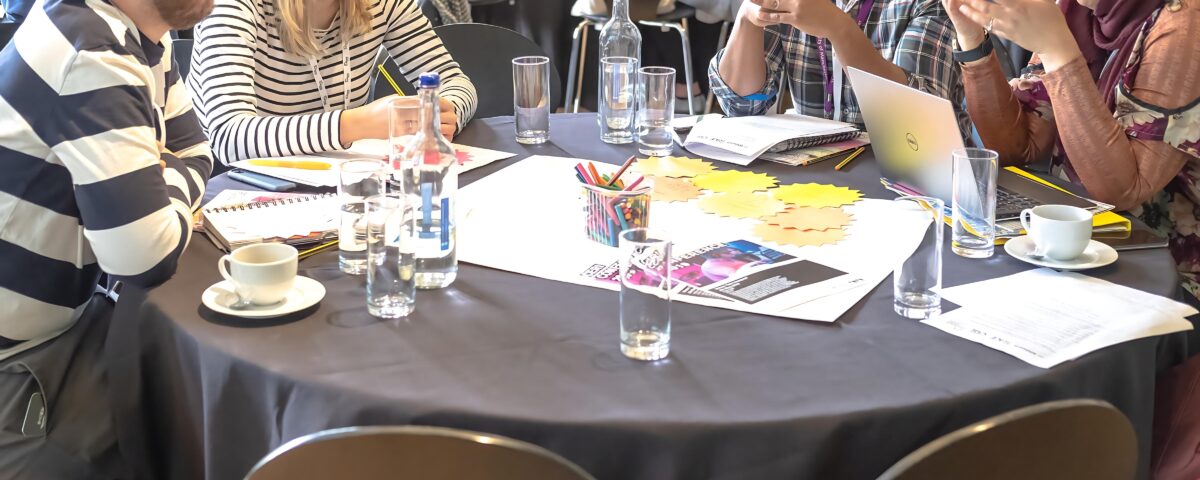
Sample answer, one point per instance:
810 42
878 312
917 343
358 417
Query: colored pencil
595 175
852 156
386 76
635 183
624 167
315 250
583 172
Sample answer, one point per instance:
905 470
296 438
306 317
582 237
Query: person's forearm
743 67
1017 135
854 49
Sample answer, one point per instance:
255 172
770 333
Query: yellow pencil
315 250
301 164
851 157
383 71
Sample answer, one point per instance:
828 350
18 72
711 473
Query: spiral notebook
741 140
232 222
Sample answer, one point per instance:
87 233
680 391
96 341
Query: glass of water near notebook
236 218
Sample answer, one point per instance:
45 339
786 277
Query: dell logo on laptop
912 142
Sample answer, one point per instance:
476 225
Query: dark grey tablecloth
742 396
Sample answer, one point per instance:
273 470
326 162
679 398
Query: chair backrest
181 51
485 53
1055 440
378 87
427 453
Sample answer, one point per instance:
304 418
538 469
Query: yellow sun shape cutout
733 181
674 166
741 205
816 195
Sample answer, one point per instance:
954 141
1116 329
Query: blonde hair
298 34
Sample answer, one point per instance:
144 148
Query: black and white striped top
256 100
88 108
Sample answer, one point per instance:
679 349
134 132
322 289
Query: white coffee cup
262 274
1060 232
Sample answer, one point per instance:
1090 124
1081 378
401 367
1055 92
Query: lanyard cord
864 12
316 71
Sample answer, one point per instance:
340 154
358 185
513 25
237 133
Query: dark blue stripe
86 30
183 131
178 165
98 111
23 89
163 270
122 199
34 180
46 279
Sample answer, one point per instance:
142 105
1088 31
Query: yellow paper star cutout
800 238
816 195
668 189
734 181
674 166
810 218
741 205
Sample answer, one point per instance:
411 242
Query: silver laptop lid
912 132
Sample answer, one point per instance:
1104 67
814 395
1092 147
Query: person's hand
821 18
367 121
449 117
1035 25
970 34
755 15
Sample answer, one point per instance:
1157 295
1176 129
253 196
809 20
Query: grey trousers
55 416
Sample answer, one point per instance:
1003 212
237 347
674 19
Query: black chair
485 53
378 87
181 51
426 453
6 33
1065 439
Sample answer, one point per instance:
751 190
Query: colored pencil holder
609 212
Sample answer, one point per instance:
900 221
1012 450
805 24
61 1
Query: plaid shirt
915 35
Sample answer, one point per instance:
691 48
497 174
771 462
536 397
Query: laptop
913 134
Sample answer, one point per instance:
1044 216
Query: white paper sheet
1046 317
740 140
528 218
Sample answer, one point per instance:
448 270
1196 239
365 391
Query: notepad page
306 218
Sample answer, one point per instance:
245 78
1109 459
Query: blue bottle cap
430 80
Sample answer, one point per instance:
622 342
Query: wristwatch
982 51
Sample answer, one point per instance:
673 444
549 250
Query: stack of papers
1046 317
740 140
469 158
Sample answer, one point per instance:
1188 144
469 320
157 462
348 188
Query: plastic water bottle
620 36
429 181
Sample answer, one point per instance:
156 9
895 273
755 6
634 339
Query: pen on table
852 156
388 77
317 249
620 172
301 164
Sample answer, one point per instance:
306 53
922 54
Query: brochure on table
469 158
740 140
528 219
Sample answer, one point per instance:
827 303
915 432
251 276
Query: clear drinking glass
656 109
645 294
974 203
618 98
391 256
404 116
359 179
531 99
918 278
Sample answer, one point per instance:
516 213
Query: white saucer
305 293
1094 256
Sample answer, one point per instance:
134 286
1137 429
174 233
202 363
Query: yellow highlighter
301 164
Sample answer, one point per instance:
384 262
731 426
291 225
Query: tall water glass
404 116
391 256
973 206
531 99
645 294
618 98
918 278
358 179
656 109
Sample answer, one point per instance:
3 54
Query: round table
742 395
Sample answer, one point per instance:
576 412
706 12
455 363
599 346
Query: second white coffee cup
1060 232
262 274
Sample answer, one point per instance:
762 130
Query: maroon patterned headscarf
1112 26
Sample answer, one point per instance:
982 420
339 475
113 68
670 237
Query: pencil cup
918 278
609 212
645 294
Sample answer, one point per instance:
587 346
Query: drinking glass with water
391 256
656 109
918 278
645 294
531 99
358 179
618 98
974 203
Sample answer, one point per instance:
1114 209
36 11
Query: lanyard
316 71
864 11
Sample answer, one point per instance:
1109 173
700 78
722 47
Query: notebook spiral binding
805 142
270 203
